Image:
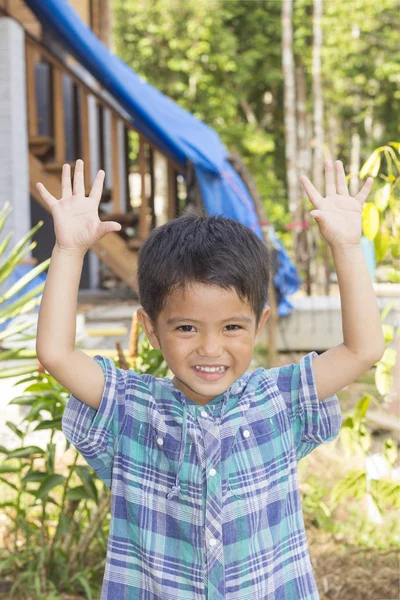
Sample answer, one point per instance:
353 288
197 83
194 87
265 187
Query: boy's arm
55 340
339 219
77 227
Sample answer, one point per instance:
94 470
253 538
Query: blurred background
190 106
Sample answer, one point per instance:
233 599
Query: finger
109 227
97 187
79 184
341 184
66 186
314 196
365 190
47 198
330 179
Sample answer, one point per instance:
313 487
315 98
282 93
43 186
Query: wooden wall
95 13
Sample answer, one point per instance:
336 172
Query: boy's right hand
76 218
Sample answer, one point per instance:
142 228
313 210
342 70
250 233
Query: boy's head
212 274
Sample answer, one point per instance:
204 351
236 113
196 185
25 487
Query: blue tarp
174 130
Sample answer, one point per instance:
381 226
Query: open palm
76 217
338 215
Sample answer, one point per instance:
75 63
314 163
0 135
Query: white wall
14 167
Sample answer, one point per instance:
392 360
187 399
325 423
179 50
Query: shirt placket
213 542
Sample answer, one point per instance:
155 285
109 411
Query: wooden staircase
69 118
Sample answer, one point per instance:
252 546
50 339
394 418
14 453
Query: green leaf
25 452
48 484
370 220
86 476
24 400
50 424
15 371
78 493
6 469
361 408
372 164
388 332
12 485
36 476
24 280
381 198
381 244
383 378
15 429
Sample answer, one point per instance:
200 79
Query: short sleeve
95 433
313 421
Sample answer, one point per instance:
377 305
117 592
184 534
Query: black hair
205 249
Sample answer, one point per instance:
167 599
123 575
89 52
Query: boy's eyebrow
175 320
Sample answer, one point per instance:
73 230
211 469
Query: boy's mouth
210 373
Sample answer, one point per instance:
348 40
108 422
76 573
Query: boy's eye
187 330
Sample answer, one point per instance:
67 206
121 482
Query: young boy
205 500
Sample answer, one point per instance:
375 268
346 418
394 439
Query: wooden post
116 186
171 191
58 115
143 223
86 138
31 90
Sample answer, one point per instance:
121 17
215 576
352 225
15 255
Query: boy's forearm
57 316
361 322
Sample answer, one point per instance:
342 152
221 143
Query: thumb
109 227
317 215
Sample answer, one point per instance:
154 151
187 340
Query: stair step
134 244
40 144
56 167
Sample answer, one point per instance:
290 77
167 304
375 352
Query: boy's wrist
74 252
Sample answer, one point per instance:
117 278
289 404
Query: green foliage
58 522
12 306
222 61
381 215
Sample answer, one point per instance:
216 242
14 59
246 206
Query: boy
202 468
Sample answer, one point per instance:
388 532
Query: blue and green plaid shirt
205 500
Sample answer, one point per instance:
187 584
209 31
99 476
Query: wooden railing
63 128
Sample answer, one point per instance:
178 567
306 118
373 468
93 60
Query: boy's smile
207 335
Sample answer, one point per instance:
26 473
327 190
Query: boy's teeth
211 369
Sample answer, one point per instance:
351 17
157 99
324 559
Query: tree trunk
355 153
303 143
290 120
318 162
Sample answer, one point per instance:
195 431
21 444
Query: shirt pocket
259 462
159 460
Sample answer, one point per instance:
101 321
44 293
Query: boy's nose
210 347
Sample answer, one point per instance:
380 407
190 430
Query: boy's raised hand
338 215
76 219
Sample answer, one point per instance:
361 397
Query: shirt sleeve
95 433
313 421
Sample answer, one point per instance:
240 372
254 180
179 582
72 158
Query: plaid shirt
205 500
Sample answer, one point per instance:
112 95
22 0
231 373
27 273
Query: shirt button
213 542
160 441
203 413
246 433
212 472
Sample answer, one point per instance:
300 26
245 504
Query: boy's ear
263 319
149 328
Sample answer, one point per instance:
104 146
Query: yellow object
106 332
109 352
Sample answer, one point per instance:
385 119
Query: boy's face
205 325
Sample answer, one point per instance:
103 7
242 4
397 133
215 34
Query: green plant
381 215
13 302
58 520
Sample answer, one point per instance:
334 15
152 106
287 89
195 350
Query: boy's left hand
338 215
